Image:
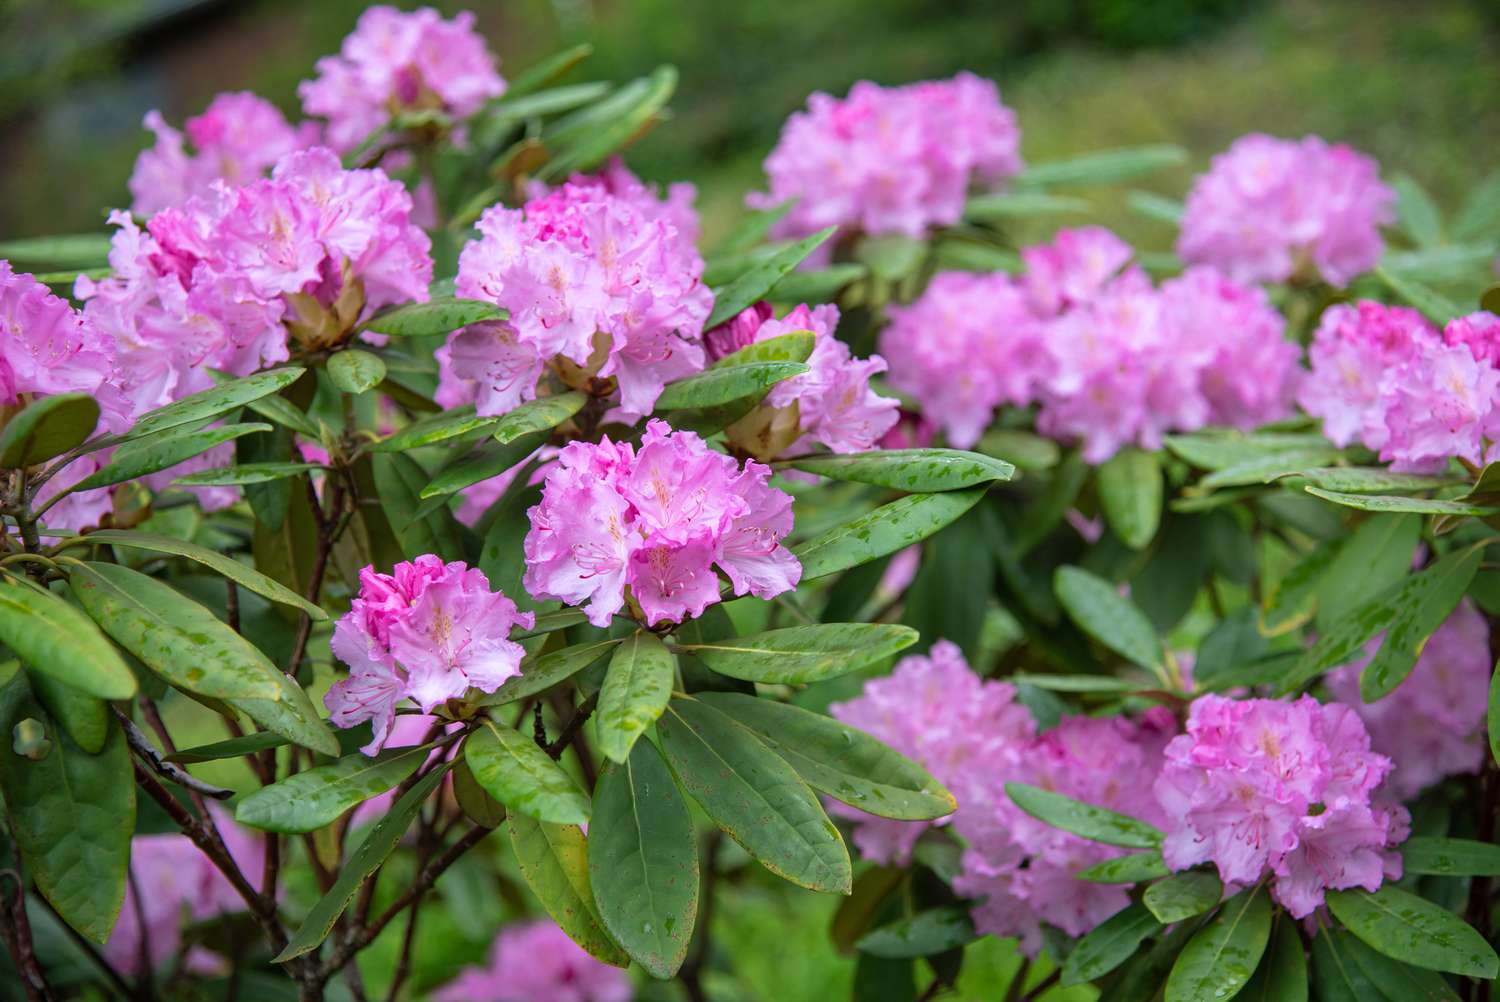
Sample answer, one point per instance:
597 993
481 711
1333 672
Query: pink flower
1075 267
537 962
1351 351
1270 209
1432 724
601 279
1263 786
429 631
891 160
658 519
237 139
397 62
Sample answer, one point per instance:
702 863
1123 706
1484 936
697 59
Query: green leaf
1129 869
355 370
838 760
478 806
84 717
1399 982
1373 480
643 861
820 285
174 636
1447 263
1154 206
1109 944
754 796
713 387
794 346
1183 895
802 654
1415 931
1104 614
63 252
457 423
1130 489
306 801
1293 600
1263 469
215 751
490 461
280 410
438 316
1393 503
292 715
1375 557
1335 973
755 284
1105 167
1492 716
1480 212
554 861
541 414
363 862
1091 822
885 530
1218 450
72 815
586 139
398 478
1026 451
891 256
1430 303
144 457
1220 958
913 470
921 935
1416 212
1282 974
244 473
515 771
51 636
1020 204
220 400
538 674
635 692
549 69
46 428
230 568
1427 600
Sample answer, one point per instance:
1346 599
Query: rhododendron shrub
416 470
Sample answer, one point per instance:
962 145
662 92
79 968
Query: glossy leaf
839 761
477 805
1282 974
50 635
1377 555
1104 614
1109 944
756 283
803 654
523 777
1427 600
216 751
1130 489
816 285
541 414
794 346
554 861
85 718
1336 975
881 532
399 478
921 935
355 370
174 636
438 316
643 861
617 120
754 796
1096 823
1129 869
148 456
714 387
306 801
457 423
913 470
542 673
1218 450
1399 982
46 428
1373 480
1415 931
1271 466
1396 503
1183 895
244 473
489 461
219 400
635 692
1221 957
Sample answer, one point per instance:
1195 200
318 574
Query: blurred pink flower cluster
395 62
601 278
537 962
657 519
1280 789
832 405
974 737
1270 209
1108 359
429 631
891 159
1384 377
1432 725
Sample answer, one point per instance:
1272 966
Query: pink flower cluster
657 520
225 278
974 737
891 159
1432 725
237 139
1082 334
1287 790
1273 209
429 631
537 962
601 279
397 62
1386 378
832 404
179 885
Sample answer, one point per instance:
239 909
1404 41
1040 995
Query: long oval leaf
885 530
755 284
1130 489
635 692
926 471
804 654
1412 929
713 387
53 637
1096 823
1107 616
306 801
148 456
554 861
1183 895
1220 958
47 427
1109 944
540 674
522 776
541 414
438 316
213 402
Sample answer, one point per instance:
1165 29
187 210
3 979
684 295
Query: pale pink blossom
535 961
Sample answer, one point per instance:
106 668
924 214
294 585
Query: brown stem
572 728
232 604
15 929
170 771
1042 986
330 527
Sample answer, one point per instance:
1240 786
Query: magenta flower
658 520
238 138
1264 787
1073 269
397 62
1432 725
601 279
1273 209
428 631
536 962
891 160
